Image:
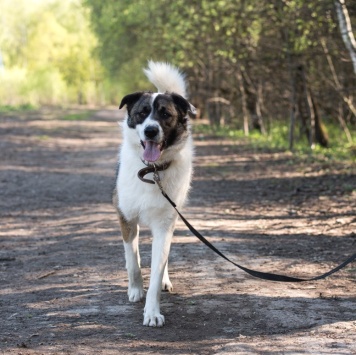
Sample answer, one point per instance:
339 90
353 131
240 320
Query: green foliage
235 50
140 30
47 49
244 52
189 32
277 139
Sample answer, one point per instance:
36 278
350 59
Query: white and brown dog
156 130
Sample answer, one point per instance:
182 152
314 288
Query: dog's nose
151 131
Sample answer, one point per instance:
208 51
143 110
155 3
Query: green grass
78 116
43 137
277 139
17 108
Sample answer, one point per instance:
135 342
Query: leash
259 274
151 169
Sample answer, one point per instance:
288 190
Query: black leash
259 274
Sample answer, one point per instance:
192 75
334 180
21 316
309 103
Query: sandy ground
62 275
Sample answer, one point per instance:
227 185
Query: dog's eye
166 114
144 113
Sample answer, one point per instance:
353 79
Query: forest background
276 69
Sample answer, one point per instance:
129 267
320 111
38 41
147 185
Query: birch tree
346 30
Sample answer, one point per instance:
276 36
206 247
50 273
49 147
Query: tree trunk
321 135
259 104
254 102
343 124
338 86
346 30
302 105
311 122
292 96
310 109
243 101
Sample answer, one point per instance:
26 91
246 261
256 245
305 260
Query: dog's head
160 120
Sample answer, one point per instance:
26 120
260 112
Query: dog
156 132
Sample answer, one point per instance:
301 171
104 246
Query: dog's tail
165 77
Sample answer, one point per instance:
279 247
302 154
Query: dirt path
63 281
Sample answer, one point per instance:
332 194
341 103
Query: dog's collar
151 168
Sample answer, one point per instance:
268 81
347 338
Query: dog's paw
153 319
167 285
135 294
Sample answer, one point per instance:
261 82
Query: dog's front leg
160 251
130 232
132 256
166 282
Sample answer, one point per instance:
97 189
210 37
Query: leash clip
157 179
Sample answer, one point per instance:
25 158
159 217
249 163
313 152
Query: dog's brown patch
126 228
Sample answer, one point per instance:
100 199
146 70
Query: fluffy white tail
166 77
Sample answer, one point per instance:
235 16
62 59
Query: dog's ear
184 105
192 111
130 100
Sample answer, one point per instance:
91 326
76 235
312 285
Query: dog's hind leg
130 231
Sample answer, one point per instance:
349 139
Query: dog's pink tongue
152 151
